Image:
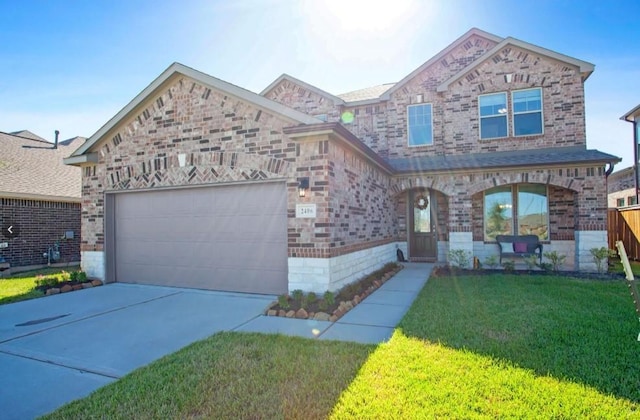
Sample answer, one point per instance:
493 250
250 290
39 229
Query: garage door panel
221 238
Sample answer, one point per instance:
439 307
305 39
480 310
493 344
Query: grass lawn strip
505 346
231 375
21 286
470 347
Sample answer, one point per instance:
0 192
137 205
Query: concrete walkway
372 321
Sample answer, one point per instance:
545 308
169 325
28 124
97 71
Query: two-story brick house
200 183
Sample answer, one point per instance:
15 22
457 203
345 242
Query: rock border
72 288
343 307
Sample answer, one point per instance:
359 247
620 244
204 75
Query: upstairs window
620 202
631 200
420 127
493 115
527 112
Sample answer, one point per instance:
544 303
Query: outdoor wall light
303 186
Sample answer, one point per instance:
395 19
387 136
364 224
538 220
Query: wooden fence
624 225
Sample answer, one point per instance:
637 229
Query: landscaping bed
447 271
330 306
65 282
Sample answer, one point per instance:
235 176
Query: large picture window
420 125
521 209
527 112
493 115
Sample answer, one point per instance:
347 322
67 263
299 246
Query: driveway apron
60 348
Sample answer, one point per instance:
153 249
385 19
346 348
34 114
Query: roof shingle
37 171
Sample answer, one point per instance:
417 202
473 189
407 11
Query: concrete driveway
60 348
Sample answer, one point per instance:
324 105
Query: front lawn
506 346
470 347
22 286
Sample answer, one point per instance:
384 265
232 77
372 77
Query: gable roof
584 67
27 134
37 172
336 100
439 56
366 94
631 115
81 156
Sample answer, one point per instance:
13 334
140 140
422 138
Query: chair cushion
519 247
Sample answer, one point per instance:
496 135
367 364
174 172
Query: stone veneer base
322 274
93 263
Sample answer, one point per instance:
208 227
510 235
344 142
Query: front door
422 226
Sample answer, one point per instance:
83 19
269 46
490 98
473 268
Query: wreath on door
421 202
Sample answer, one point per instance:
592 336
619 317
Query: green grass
21 286
470 347
618 268
506 346
231 375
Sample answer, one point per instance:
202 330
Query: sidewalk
372 321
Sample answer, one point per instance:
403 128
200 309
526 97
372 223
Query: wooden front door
422 226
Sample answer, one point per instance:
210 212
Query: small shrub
283 301
601 257
323 305
509 266
312 298
545 266
81 276
459 258
491 261
531 261
556 260
329 297
46 282
297 295
66 276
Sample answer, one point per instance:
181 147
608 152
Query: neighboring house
200 183
633 117
39 202
621 188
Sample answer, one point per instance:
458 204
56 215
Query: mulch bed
344 300
448 271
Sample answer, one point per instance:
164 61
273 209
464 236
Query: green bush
48 281
81 276
601 257
329 297
297 295
556 260
312 298
459 258
509 266
491 261
283 301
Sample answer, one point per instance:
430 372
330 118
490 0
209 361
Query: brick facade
362 202
42 224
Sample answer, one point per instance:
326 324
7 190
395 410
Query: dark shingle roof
539 157
37 171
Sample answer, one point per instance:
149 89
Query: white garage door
220 238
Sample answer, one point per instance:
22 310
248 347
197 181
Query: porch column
460 223
591 223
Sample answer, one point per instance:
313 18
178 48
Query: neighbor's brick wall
621 180
42 223
223 139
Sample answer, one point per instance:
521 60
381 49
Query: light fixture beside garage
303 186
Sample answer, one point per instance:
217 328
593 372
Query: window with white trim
521 209
420 126
493 116
527 112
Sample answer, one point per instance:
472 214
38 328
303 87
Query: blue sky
72 65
